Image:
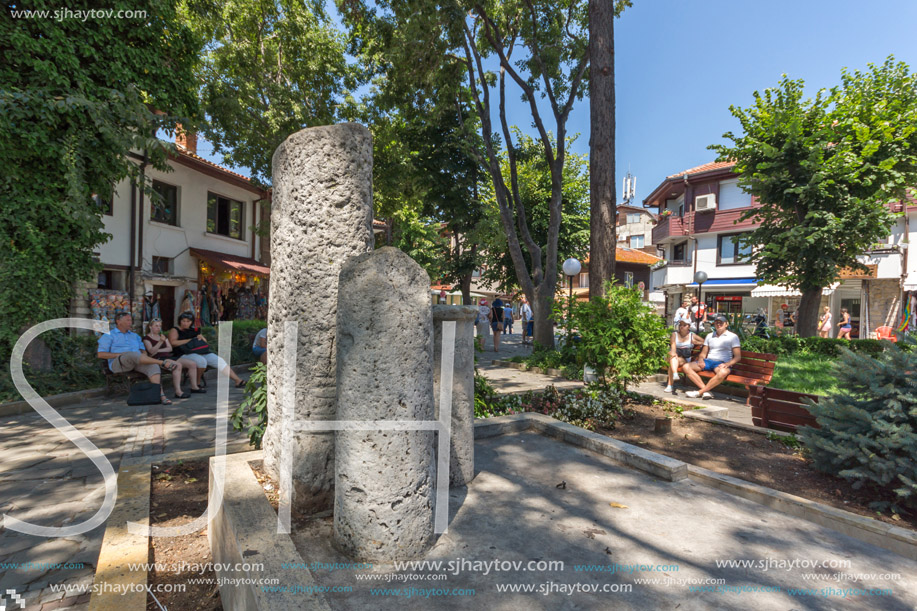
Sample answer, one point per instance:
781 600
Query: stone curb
244 530
655 464
550 371
72 399
119 548
893 538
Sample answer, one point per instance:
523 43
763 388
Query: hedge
825 346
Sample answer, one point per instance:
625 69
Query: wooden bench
114 380
753 369
783 410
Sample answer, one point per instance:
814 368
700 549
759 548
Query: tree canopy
269 69
76 97
825 170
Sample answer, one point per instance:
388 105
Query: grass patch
805 372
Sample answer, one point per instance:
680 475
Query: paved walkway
46 480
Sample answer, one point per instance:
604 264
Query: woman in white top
483 323
682 313
682 342
824 323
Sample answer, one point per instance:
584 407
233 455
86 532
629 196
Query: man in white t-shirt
681 314
720 352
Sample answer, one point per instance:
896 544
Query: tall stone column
461 457
384 485
321 215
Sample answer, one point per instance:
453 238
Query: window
629 279
636 241
584 280
162 265
105 203
729 252
106 281
633 217
164 203
680 253
732 196
224 216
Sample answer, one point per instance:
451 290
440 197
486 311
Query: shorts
710 364
847 328
496 325
258 351
130 361
206 360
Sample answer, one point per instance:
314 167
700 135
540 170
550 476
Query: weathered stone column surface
383 498
461 457
321 215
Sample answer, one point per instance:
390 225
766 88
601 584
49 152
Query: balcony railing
669 227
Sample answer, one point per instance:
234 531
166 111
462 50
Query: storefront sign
729 298
872 271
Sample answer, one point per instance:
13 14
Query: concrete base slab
625 540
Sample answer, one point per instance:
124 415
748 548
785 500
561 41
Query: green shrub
868 431
74 366
621 337
251 416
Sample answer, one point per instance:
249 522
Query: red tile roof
707 167
182 151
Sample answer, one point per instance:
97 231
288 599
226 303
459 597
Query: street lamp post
700 277
571 268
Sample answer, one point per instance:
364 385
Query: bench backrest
784 410
756 365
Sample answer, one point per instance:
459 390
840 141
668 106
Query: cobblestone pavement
46 480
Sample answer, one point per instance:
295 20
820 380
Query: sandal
164 400
183 395
197 390
241 384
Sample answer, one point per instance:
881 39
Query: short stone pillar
384 483
461 444
321 215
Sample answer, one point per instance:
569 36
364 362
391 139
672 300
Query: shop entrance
166 297
853 308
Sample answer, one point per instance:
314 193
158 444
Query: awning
728 283
776 290
222 259
910 282
456 293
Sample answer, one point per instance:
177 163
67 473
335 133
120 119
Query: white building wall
116 251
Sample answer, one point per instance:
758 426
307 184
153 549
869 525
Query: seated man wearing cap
125 351
720 352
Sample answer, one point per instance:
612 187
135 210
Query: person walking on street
525 313
845 325
482 322
824 323
496 322
508 319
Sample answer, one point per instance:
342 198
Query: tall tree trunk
542 305
465 287
807 316
602 238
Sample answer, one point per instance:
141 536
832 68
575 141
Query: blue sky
681 63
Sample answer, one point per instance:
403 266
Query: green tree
534 184
621 337
76 97
825 170
270 68
868 432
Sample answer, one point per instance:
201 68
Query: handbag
195 346
144 393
